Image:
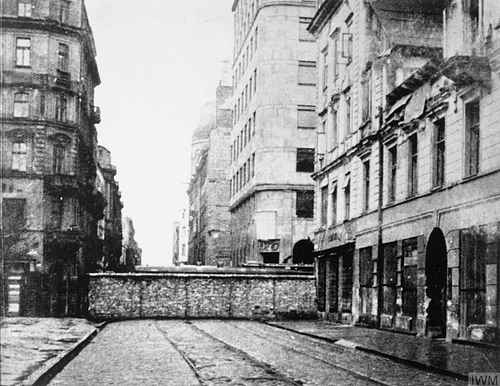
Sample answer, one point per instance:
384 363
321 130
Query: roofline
327 8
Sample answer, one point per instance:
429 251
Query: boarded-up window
307 73
306 117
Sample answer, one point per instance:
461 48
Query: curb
353 345
65 358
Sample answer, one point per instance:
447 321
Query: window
305 204
336 56
347 45
438 153
253 164
63 57
472 114
23 46
324 206
365 279
42 103
307 73
254 81
334 204
305 160
306 117
13 214
63 11
61 107
406 280
254 122
474 17
412 165
24 8
393 166
59 157
21 104
57 211
304 35
366 186
19 156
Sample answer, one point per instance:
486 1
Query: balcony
61 184
467 70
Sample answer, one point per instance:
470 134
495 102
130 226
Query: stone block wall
203 292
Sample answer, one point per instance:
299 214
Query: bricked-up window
13 214
333 211
307 73
304 34
59 158
24 8
306 117
438 156
412 165
19 156
61 108
63 57
324 206
305 160
393 166
23 48
305 204
21 104
472 120
57 212
366 185
347 198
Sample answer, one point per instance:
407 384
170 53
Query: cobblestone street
209 352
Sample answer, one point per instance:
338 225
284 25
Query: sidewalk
33 347
434 355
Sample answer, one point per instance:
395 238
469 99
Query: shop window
346 282
365 279
407 277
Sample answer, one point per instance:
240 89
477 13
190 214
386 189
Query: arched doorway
303 252
435 281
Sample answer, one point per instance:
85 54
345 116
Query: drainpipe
380 253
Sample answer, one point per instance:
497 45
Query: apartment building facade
272 138
208 190
408 215
50 204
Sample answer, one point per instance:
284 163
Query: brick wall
203 292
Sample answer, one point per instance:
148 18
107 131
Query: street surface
209 352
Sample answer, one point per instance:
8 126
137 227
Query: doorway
436 266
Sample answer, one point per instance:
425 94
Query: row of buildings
364 136
60 202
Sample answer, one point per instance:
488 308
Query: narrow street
208 352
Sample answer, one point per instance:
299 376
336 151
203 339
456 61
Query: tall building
50 204
273 137
131 253
209 187
109 228
408 169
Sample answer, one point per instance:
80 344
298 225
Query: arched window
21 104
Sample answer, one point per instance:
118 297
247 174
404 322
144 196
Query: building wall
270 47
189 294
49 151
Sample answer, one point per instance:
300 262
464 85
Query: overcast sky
159 62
